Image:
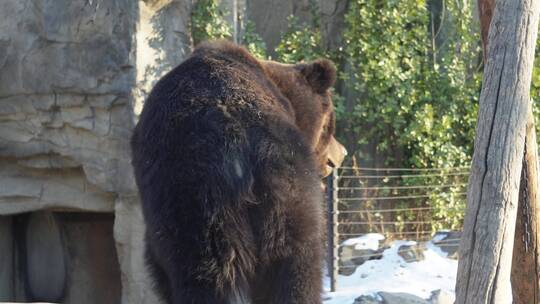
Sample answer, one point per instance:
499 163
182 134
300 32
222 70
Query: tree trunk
485 12
526 260
488 233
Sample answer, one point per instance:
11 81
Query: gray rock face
448 241
332 22
79 46
400 298
65 86
441 297
368 299
350 257
270 18
412 253
6 259
69 86
382 297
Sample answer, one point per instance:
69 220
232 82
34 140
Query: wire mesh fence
395 203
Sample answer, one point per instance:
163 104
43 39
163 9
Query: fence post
333 236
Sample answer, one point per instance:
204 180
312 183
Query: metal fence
399 203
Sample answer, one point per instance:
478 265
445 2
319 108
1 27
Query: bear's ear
320 74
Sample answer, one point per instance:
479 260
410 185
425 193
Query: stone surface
448 241
44 259
71 85
412 253
271 18
441 297
368 299
129 235
6 259
332 22
350 258
400 298
383 297
65 87
94 273
163 41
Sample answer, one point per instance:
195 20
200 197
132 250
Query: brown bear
228 154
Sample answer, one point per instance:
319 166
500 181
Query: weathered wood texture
526 260
485 12
488 234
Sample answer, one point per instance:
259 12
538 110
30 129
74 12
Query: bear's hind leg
159 276
297 280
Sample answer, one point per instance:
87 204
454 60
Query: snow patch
368 241
393 274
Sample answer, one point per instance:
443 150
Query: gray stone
350 257
67 77
441 297
163 41
332 22
94 271
70 92
45 263
368 299
271 18
448 241
412 253
400 298
6 259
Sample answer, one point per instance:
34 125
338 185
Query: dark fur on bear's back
229 181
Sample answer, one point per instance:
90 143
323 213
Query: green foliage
253 42
535 89
299 43
416 100
208 22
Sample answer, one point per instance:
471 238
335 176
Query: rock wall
71 84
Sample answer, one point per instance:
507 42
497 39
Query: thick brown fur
228 154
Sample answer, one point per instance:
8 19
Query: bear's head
307 87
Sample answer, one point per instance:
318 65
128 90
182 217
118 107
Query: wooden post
525 275
526 258
488 233
333 234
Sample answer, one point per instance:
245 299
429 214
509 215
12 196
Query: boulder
356 251
412 253
441 297
448 241
400 298
368 299
383 297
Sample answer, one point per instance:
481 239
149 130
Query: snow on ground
366 241
393 274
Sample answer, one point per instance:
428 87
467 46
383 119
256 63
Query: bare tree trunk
485 12
526 260
488 234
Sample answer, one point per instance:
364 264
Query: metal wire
389 233
402 187
395 197
380 254
384 210
402 169
390 222
449 241
402 176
